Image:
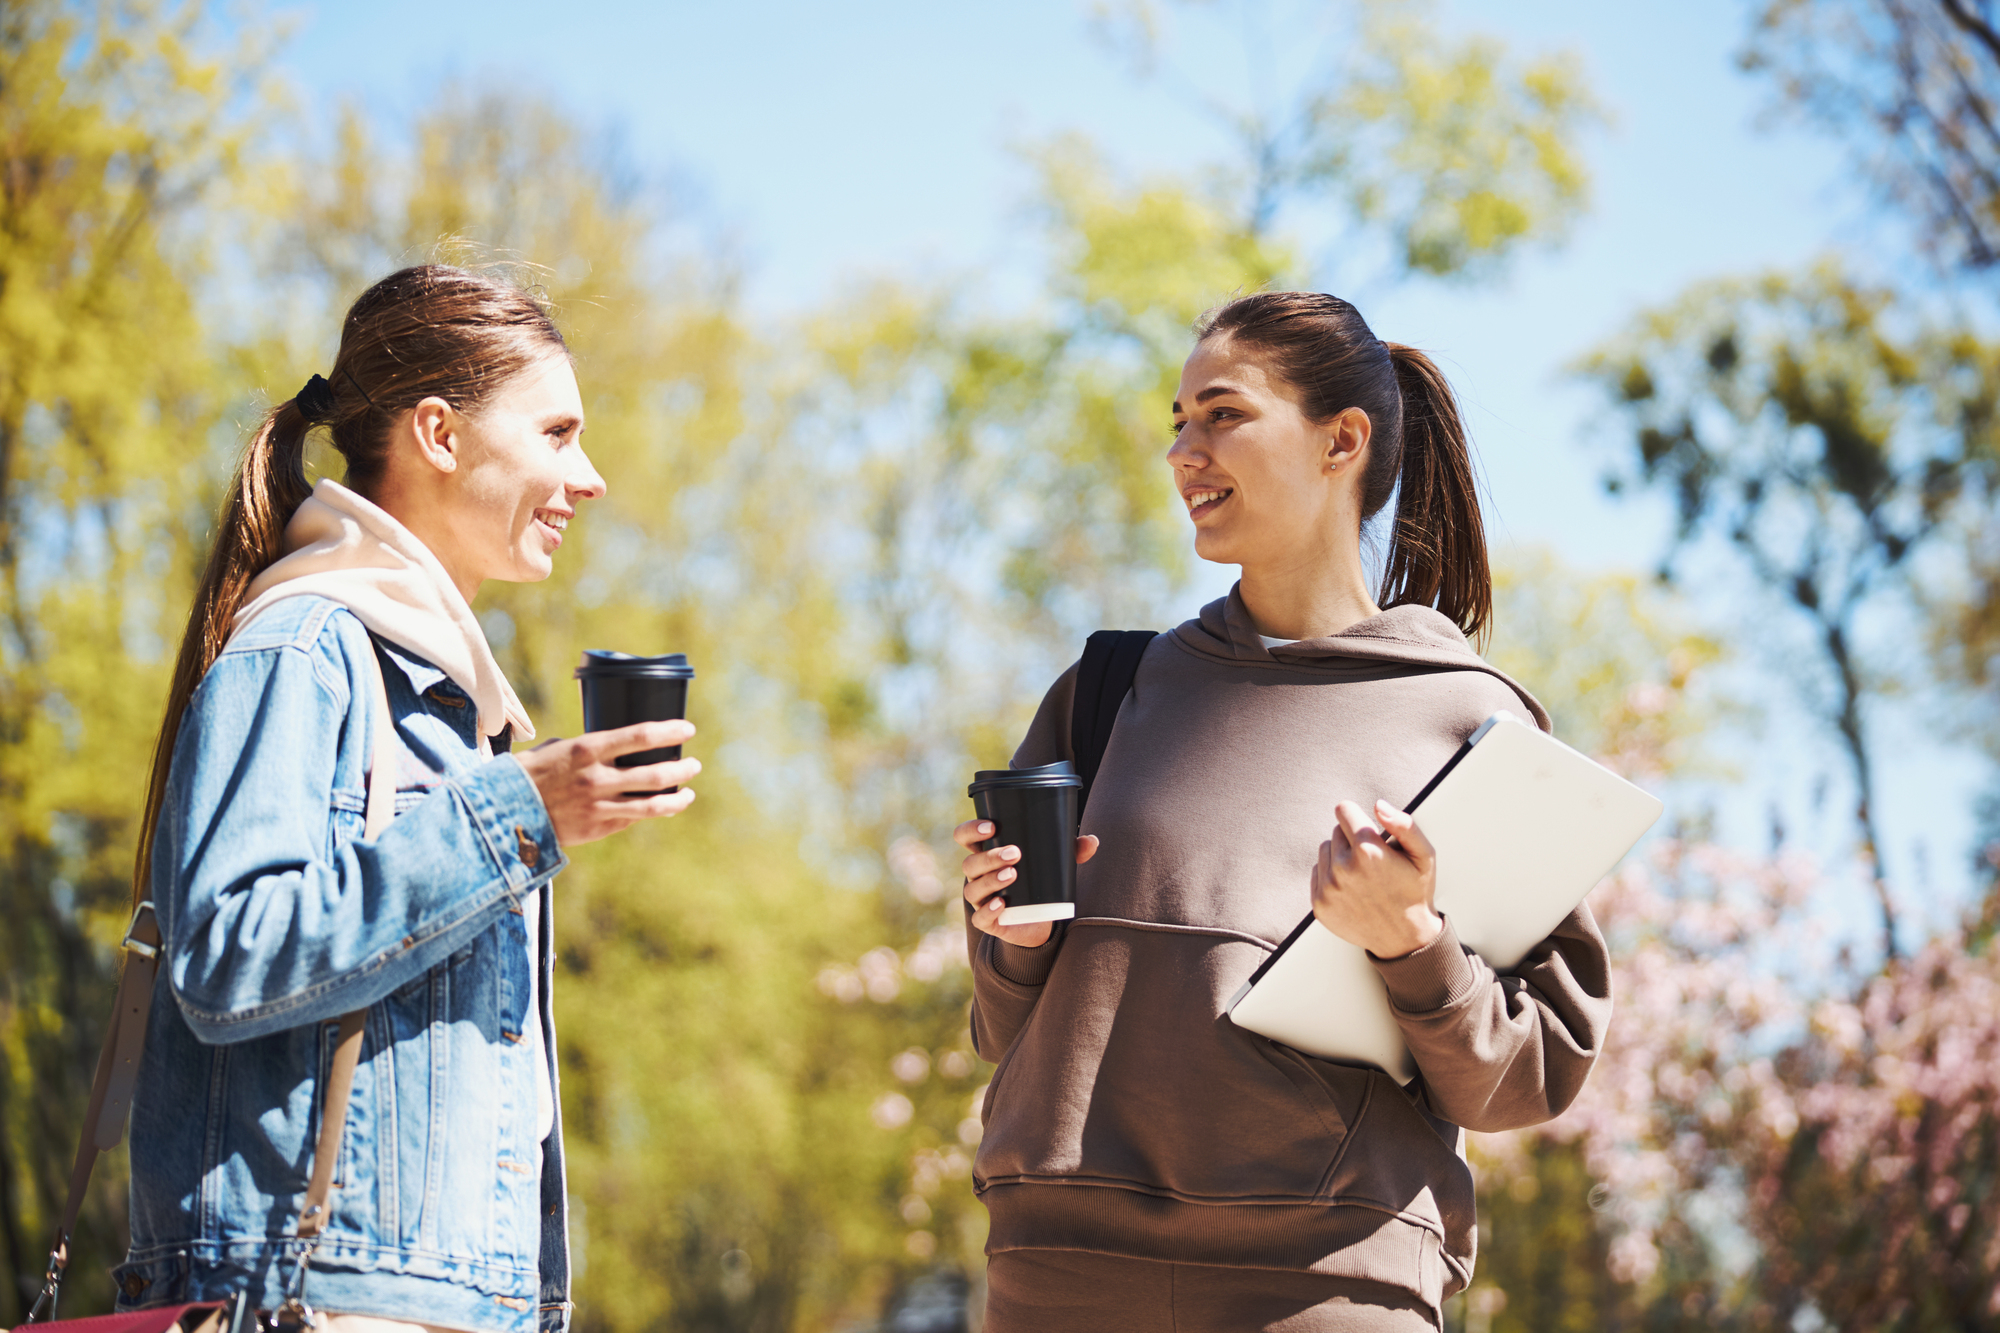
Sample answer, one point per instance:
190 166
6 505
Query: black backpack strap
1103 679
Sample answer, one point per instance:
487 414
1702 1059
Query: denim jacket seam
485 901
310 639
334 1242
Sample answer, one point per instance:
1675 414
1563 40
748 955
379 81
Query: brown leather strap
117 1070
347 1042
326 1152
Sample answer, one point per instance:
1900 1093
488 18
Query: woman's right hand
987 875
585 793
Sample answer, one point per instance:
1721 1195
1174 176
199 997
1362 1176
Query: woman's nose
583 480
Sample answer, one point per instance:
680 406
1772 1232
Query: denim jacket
278 917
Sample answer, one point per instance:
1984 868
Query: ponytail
270 484
1437 553
1418 451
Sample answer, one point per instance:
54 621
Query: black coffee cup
620 689
1034 809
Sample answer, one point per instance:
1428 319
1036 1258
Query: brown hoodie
1128 1115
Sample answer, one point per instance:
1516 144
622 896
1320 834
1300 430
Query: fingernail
985 828
1010 853
1006 875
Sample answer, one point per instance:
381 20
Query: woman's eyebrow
1212 391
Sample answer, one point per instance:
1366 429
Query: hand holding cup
989 873
585 791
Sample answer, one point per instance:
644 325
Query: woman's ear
1347 440
435 426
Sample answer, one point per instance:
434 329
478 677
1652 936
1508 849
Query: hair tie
315 401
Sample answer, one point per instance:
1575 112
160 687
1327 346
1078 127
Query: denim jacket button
530 853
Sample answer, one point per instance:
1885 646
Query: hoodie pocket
1130 1075
1326 1088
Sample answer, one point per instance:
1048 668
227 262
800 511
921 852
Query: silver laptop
1524 828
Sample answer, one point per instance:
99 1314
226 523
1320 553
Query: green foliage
1448 153
1470 158
111 130
1612 658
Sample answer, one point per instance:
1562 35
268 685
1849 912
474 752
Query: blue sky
828 144
831 143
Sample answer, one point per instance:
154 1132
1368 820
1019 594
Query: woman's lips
1207 500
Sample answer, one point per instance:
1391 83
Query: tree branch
1972 25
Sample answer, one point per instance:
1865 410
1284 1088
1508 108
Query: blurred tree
112 132
1828 436
1780 1140
1454 155
1913 87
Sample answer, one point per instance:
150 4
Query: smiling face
1264 486
507 476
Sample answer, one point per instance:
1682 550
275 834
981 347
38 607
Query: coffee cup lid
603 662
1062 773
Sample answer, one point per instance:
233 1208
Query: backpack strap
1103 678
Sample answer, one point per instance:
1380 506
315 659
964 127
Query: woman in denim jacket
454 403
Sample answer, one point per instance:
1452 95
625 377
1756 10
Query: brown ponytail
428 331
1418 449
1437 556
269 484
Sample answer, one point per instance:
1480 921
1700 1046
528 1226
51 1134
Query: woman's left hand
1374 893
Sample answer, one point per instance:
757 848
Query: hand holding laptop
1480 861
1375 884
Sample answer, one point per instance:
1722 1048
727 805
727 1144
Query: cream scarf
341 547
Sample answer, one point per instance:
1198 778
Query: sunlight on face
521 472
1250 467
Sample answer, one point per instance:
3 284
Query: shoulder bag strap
316 1209
1103 678
347 1041
110 1090
118 1063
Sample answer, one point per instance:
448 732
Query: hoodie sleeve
1006 978
1497 1052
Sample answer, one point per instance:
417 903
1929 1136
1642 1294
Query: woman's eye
1177 428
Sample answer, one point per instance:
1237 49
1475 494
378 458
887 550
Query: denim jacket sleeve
271 921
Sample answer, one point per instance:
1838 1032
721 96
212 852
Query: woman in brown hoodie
1146 1164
